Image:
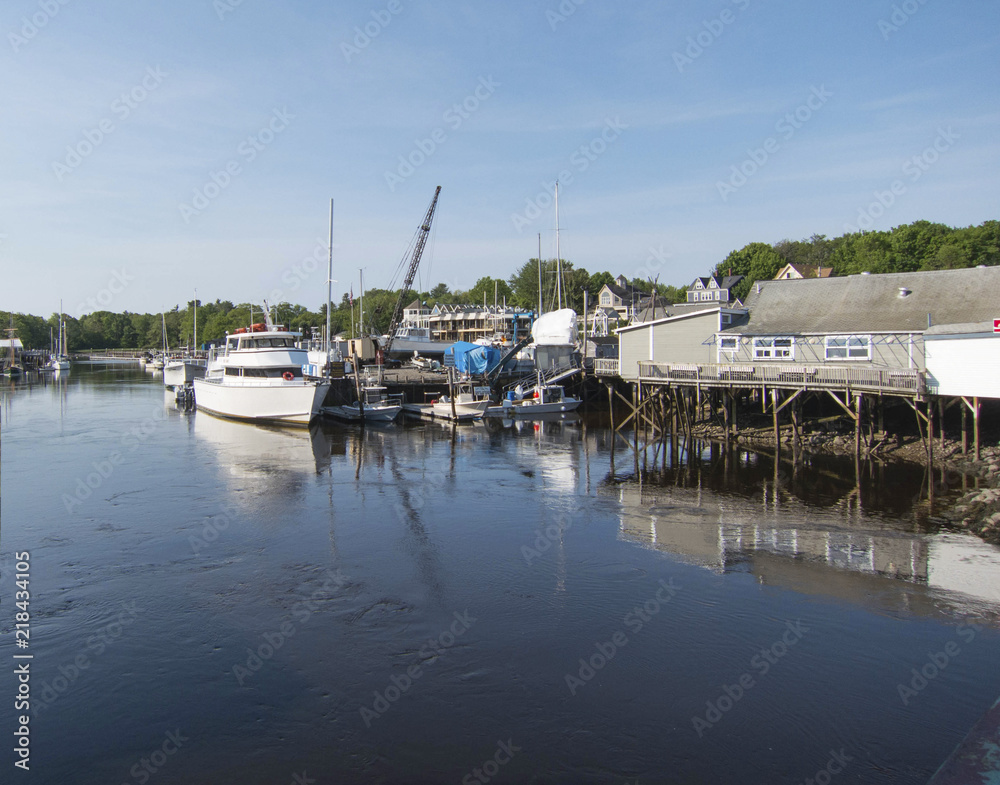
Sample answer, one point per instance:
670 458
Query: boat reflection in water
259 459
815 530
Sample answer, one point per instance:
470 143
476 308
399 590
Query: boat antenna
329 288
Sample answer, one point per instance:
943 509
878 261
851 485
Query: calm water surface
234 604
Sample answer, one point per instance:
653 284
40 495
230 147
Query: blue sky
152 149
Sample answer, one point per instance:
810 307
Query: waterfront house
685 335
858 320
471 322
622 297
963 360
714 288
796 271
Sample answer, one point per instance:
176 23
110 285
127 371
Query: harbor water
216 602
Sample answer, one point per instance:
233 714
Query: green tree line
921 245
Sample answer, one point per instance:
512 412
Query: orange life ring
288 376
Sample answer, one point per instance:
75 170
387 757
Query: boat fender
288 376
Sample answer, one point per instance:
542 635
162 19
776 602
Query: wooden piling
357 389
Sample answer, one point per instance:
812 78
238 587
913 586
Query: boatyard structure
930 339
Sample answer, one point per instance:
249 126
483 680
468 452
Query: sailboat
180 371
161 359
11 367
59 361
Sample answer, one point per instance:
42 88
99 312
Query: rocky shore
976 511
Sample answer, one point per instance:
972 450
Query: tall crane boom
411 272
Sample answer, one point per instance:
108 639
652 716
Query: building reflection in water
818 528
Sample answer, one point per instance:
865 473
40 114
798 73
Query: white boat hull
527 410
294 402
376 413
181 372
402 347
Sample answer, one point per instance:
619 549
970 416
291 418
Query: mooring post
451 392
857 425
965 428
941 421
930 438
357 389
777 430
611 408
975 426
725 415
796 437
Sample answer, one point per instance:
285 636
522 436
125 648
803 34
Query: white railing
889 380
606 367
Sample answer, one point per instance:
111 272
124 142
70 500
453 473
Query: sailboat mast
361 318
329 288
194 340
558 257
539 273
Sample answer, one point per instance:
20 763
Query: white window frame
856 348
730 350
769 348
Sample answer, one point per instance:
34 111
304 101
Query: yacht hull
293 403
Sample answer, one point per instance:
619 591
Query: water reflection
816 528
262 460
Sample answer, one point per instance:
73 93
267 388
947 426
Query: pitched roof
806 270
624 292
722 281
873 303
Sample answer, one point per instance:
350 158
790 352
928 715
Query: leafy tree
490 289
755 262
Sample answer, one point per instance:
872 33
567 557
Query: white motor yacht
257 375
